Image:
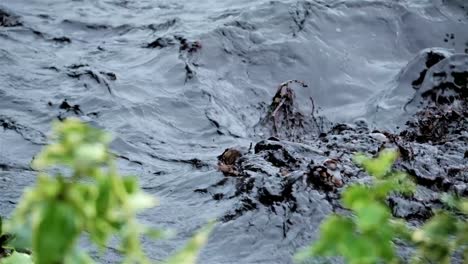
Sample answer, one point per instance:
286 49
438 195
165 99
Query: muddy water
177 82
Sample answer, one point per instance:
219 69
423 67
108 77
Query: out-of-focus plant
5 239
367 236
8 250
84 194
188 255
444 234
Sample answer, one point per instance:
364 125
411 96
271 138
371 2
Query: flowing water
177 82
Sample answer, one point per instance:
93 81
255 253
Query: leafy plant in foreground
7 249
5 239
443 235
85 194
367 235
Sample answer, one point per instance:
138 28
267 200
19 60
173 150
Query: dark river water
177 82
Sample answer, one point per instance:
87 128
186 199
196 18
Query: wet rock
409 209
64 40
277 175
446 83
67 107
323 178
390 106
9 20
189 72
278 154
109 75
188 46
160 43
432 57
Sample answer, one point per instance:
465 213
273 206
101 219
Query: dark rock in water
446 83
65 40
160 43
9 20
110 75
390 106
443 103
282 177
67 107
432 58
188 46
408 209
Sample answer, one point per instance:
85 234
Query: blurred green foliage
444 234
188 255
368 234
85 194
5 240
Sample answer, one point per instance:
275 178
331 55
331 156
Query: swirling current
179 82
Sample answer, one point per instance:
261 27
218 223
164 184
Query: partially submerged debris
326 177
295 164
283 118
228 162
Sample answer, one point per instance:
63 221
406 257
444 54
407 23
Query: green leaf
379 166
333 231
356 195
78 257
158 233
17 258
23 236
189 254
372 216
131 184
87 154
440 226
55 233
464 206
141 200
